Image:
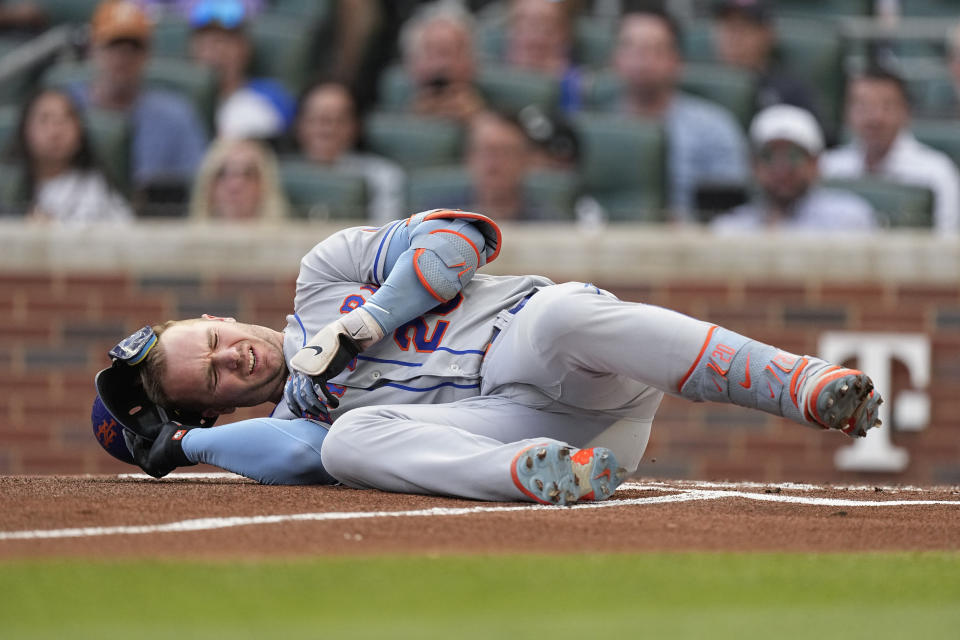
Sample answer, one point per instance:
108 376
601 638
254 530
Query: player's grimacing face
220 365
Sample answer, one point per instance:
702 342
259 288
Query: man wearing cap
248 107
745 37
787 143
168 139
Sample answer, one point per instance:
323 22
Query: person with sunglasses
247 107
787 143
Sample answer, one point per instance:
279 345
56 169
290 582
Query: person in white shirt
61 181
787 142
328 130
878 115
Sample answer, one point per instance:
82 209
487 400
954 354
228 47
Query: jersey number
419 333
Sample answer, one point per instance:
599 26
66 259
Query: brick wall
58 319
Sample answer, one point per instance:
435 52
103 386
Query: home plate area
223 515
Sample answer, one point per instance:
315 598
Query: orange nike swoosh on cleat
605 474
746 383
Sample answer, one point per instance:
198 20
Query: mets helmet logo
109 432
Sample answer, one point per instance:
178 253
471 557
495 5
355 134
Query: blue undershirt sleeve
404 294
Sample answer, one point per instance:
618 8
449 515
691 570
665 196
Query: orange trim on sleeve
457 233
703 349
446 213
423 281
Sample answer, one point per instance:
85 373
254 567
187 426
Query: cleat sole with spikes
849 404
558 475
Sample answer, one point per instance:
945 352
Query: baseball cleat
843 399
557 474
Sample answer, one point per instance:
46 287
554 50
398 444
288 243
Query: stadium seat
195 83
12 198
317 193
413 141
730 87
931 89
171 36
284 48
9 119
432 187
897 205
825 10
502 87
321 10
110 138
623 165
550 192
930 9
943 135
75 11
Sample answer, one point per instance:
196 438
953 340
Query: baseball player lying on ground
402 369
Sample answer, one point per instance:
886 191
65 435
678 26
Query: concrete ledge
616 254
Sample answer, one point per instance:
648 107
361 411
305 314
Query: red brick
143 309
105 283
43 303
18 331
50 462
11 438
758 470
27 281
733 317
927 294
769 291
229 285
860 294
719 292
901 318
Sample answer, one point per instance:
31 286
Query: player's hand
334 346
302 396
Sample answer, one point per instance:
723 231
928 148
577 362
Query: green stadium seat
623 164
110 138
12 196
931 89
553 192
930 9
897 205
9 119
75 11
284 48
171 36
414 141
730 87
943 135
320 10
195 83
502 87
430 187
826 10
316 193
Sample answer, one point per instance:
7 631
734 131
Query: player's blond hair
273 202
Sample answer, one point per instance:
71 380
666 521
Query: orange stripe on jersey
703 350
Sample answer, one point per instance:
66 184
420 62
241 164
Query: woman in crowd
238 181
59 179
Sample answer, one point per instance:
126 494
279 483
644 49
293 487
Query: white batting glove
334 346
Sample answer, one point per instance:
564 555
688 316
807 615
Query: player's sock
735 369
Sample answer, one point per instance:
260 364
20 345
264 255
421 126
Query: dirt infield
218 515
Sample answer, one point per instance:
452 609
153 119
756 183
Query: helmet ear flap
109 432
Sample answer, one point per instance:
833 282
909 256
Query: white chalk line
207 524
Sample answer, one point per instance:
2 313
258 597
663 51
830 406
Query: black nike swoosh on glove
319 350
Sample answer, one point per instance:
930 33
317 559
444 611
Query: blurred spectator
168 139
556 147
61 180
878 114
327 132
498 158
20 17
238 181
745 37
787 142
705 143
437 45
540 38
248 107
